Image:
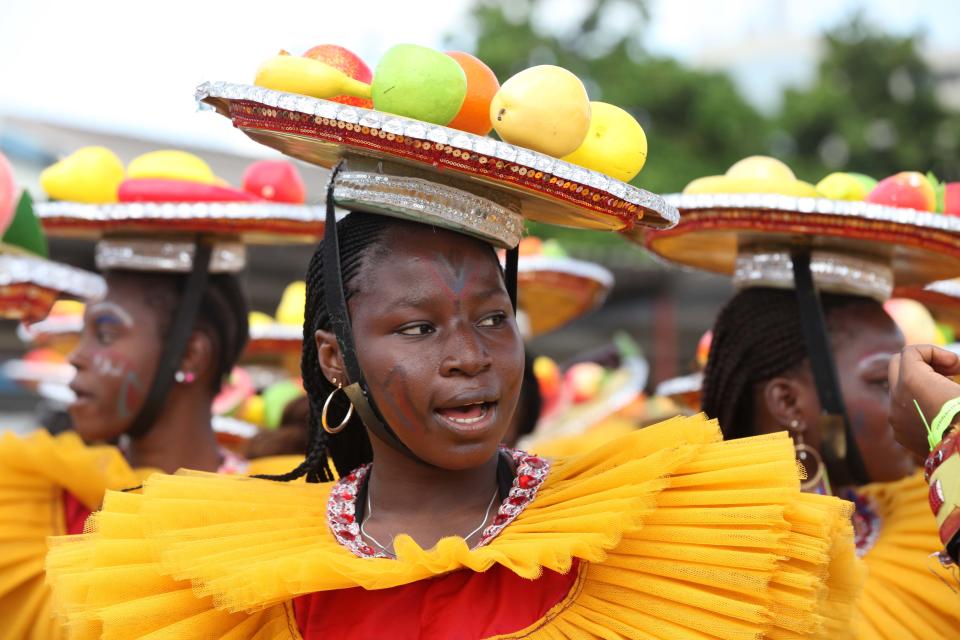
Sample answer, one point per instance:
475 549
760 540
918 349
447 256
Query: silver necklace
390 553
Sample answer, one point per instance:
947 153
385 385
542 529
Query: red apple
348 62
276 180
907 189
951 199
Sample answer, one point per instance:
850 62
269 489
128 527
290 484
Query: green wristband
941 424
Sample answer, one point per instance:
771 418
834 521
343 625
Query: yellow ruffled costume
903 598
34 473
680 536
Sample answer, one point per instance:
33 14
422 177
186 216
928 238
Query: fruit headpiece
941 299
554 289
401 158
849 234
30 283
59 330
149 215
166 211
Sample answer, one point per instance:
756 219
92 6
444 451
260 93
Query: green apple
843 186
615 144
419 82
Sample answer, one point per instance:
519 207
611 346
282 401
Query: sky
128 66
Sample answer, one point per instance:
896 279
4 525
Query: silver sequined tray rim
61 278
276 331
180 211
691 383
420 130
567 266
815 206
50 327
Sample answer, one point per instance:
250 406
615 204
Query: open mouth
467 417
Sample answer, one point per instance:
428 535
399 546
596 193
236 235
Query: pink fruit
348 62
951 199
276 180
8 193
584 379
907 189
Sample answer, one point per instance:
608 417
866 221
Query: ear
785 402
331 360
198 357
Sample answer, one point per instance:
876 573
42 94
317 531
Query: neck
401 486
181 437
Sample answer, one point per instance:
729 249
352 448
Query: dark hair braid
360 236
756 337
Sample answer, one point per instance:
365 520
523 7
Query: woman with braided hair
133 414
804 348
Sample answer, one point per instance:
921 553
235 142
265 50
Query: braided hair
222 314
757 336
361 238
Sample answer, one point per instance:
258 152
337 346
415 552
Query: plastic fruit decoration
703 348
419 82
171 164
584 380
239 387
308 77
544 108
8 192
951 199
915 322
347 62
89 174
615 145
292 304
908 189
482 85
276 180
843 186
24 230
158 190
755 174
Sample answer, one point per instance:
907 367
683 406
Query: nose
78 357
466 355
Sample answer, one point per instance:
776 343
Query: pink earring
185 377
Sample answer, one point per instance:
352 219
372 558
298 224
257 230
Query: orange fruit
482 85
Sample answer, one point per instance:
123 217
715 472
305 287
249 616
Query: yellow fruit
914 321
171 164
544 108
725 184
308 77
253 411
90 174
842 186
259 319
761 168
292 303
615 144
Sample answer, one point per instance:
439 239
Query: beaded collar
341 506
866 521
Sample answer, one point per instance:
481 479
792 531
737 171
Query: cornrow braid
361 238
756 337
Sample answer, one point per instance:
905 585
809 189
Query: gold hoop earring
326 406
809 459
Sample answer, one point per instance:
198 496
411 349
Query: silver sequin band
832 272
430 202
137 254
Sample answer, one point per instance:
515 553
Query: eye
419 329
105 330
494 320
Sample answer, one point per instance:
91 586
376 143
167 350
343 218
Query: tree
873 109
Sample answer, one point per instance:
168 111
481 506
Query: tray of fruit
907 219
565 157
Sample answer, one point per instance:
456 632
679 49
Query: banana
309 77
726 184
